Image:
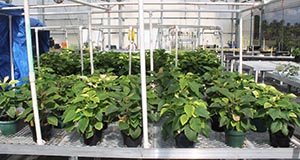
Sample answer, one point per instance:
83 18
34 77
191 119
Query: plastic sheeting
19 49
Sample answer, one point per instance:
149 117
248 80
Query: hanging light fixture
58 1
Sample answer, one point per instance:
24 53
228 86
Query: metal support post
120 30
130 50
37 48
198 29
91 44
241 44
143 74
66 38
81 48
151 42
222 48
31 74
176 46
12 67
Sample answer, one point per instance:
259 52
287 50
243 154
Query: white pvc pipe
66 38
143 75
37 48
12 67
176 46
31 74
97 5
222 48
130 50
151 42
241 44
91 44
81 49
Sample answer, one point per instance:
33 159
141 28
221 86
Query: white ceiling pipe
136 11
217 18
82 3
260 5
89 4
97 5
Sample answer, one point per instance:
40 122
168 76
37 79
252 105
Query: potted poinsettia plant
47 97
88 107
10 100
281 113
233 103
185 111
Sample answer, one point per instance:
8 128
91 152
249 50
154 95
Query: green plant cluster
68 63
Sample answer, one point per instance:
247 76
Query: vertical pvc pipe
109 30
32 75
12 67
251 33
241 44
81 49
91 44
222 48
120 24
176 46
199 23
143 74
130 50
151 42
66 38
37 48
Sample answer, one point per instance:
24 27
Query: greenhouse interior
142 79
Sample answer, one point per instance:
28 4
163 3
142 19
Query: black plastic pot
260 124
92 141
47 132
297 59
129 141
215 124
278 139
181 141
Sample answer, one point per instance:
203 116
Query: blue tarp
19 49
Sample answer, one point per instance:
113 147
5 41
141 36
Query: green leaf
52 120
184 119
123 125
10 94
88 113
195 124
29 117
111 109
135 133
190 134
11 112
268 105
99 125
83 124
163 110
189 110
274 113
195 88
202 112
276 126
69 115
99 116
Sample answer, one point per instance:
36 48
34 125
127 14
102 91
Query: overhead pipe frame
78 3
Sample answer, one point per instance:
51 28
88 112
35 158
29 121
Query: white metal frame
139 152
